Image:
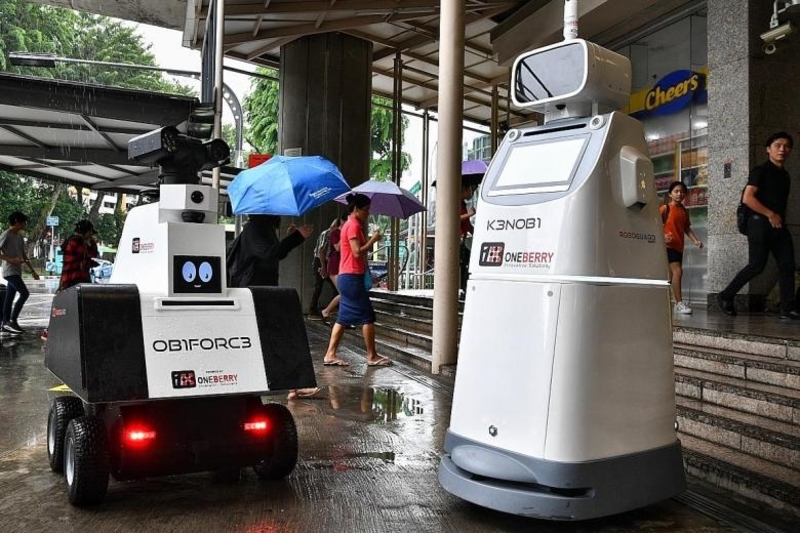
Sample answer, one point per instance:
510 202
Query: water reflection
389 403
378 405
9 346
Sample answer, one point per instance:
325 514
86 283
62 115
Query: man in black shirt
766 194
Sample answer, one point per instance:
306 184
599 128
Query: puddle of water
375 405
391 404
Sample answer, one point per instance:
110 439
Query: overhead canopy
78 134
496 31
255 31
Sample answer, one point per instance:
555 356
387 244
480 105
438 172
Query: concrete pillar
448 183
325 106
748 100
219 31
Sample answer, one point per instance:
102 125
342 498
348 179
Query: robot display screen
540 167
549 74
196 274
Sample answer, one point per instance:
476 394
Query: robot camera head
180 157
568 78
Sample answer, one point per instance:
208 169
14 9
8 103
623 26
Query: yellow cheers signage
670 94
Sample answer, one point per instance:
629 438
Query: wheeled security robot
564 402
167 364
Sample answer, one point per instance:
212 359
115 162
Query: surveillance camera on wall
773 37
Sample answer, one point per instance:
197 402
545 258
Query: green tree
18 193
261 106
109 229
108 40
29 27
380 168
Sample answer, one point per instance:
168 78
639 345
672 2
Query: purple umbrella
472 172
387 199
473 167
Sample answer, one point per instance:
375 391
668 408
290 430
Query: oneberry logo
184 379
491 254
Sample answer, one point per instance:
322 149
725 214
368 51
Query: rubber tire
87 462
62 410
282 449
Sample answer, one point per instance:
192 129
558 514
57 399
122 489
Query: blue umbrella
286 186
387 199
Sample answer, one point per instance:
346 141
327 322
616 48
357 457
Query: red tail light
257 425
139 436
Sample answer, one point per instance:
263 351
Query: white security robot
166 362
564 404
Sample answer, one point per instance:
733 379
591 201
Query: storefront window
669 97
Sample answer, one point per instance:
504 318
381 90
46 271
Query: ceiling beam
260 60
139 107
277 43
71 126
432 87
111 144
66 167
67 153
299 30
403 46
430 34
390 6
23 135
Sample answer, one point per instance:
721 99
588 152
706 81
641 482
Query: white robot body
564 403
186 333
582 278
190 319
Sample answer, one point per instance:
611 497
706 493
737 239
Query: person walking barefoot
354 307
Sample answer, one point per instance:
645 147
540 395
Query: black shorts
674 256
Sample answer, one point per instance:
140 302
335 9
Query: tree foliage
30 27
261 107
380 168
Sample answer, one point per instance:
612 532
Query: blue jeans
14 286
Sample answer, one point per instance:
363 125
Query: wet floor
370 443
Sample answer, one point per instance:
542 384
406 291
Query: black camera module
197 197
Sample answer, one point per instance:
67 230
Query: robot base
89 442
564 491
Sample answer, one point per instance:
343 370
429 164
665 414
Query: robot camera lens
197 197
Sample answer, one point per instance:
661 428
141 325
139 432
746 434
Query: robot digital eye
189 271
206 271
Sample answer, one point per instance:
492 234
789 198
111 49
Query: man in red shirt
79 250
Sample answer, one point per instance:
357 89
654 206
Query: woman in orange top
354 306
676 224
